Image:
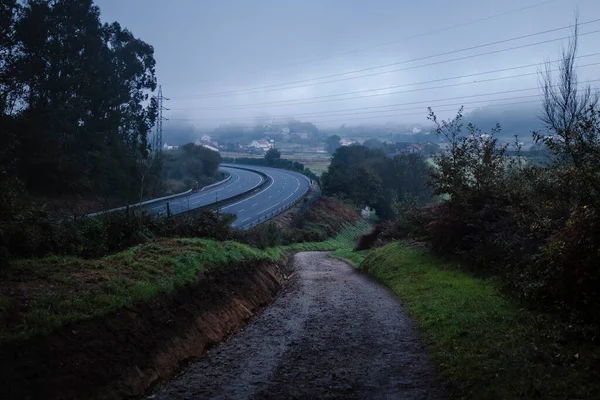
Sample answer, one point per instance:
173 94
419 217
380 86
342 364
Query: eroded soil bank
123 355
331 333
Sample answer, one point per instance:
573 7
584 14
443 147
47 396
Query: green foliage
347 254
485 345
367 177
271 156
73 289
190 164
537 226
343 240
76 94
39 233
332 143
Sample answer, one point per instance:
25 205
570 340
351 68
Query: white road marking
241 201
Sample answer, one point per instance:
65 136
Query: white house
260 144
347 142
167 147
210 147
205 138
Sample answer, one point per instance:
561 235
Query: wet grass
39 295
487 346
344 240
356 257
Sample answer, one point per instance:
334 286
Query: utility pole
158 136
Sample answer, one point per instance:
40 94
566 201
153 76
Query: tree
564 102
571 116
431 148
271 156
369 178
332 143
373 144
77 94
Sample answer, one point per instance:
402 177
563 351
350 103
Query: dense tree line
368 177
190 164
75 101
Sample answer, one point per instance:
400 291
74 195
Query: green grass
486 346
44 294
53 291
344 240
356 257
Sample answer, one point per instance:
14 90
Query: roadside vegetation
485 344
42 294
368 177
323 219
502 271
39 295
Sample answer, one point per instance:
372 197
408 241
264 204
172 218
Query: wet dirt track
332 333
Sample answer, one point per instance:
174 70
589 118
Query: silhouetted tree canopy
75 98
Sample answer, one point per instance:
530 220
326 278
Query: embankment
123 354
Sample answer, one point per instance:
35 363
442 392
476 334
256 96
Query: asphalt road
241 181
332 333
284 188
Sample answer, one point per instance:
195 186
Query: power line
328 114
243 91
422 102
405 114
262 71
418 83
284 103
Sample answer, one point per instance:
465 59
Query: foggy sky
212 46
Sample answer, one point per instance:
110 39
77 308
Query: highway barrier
149 202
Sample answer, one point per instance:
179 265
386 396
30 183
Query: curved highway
241 181
284 189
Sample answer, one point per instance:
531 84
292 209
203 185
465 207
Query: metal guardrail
143 203
152 201
216 184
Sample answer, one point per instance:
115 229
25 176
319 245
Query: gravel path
332 333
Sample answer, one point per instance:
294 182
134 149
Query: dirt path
332 333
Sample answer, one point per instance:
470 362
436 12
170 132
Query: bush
37 233
536 226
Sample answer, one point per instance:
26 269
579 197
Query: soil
123 355
331 333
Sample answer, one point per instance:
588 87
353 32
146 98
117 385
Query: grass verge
356 257
344 240
39 295
486 346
